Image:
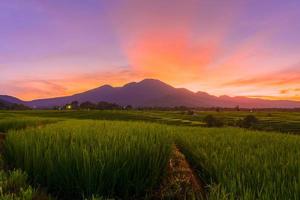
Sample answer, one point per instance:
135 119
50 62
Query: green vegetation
21 123
212 121
14 186
82 158
249 121
119 154
241 164
286 122
12 106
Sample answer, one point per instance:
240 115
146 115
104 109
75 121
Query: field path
181 181
2 138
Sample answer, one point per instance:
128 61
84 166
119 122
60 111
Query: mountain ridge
154 93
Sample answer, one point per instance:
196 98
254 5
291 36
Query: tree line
87 105
12 106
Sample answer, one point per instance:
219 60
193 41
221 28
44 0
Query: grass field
82 158
21 123
245 164
286 122
125 154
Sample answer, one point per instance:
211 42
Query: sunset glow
239 48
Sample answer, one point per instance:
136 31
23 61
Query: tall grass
85 158
89 158
240 164
23 122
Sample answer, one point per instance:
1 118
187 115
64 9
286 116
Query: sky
51 48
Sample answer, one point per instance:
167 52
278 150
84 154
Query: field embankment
181 181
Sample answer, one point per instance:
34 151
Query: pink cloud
29 89
283 77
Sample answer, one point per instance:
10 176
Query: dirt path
2 138
181 181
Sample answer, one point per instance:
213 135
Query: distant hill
11 103
4 104
10 99
151 92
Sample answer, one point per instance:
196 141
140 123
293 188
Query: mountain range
153 93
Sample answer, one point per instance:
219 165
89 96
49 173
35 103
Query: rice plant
23 122
86 158
89 158
240 164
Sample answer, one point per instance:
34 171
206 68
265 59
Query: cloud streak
287 77
29 89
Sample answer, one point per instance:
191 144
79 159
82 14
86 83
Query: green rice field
125 154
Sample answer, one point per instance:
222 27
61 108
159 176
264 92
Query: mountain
4 104
9 102
10 99
151 92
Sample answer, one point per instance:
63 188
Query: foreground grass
14 186
85 158
240 164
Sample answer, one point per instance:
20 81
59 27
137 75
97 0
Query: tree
12 106
190 112
102 105
3 106
56 107
181 108
128 107
87 105
18 107
74 105
212 121
248 121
